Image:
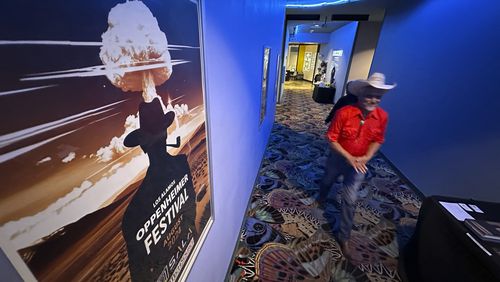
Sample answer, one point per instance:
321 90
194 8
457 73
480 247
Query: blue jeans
335 166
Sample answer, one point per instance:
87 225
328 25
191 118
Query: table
441 250
324 95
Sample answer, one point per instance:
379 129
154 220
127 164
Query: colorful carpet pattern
287 237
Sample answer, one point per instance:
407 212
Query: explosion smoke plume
134 39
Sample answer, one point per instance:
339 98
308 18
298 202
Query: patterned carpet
287 237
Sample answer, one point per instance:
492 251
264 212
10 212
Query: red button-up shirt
355 135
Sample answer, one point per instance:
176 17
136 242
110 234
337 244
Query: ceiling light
320 4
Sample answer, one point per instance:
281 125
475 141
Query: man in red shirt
355 134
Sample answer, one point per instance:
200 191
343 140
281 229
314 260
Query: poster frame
208 226
14 259
264 83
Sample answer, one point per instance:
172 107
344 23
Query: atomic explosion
135 50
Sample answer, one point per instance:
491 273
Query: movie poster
103 144
265 74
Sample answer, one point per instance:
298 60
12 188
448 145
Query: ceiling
374 9
326 8
317 26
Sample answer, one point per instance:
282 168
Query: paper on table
465 207
476 208
456 210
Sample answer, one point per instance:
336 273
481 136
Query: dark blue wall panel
443 130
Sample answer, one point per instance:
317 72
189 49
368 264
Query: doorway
301 62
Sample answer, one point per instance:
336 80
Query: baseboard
403 176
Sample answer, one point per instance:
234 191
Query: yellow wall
309 73
300 61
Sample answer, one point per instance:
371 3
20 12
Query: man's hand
362 162
358 164
363 159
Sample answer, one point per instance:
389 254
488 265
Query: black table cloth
324 95
440 249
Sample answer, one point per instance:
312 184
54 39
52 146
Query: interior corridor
287 237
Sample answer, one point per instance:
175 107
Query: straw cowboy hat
376 80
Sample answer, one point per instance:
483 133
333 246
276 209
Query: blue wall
235 35
443 131
7 270
341 39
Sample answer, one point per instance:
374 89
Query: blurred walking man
355 134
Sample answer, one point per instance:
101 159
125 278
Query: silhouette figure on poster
158 224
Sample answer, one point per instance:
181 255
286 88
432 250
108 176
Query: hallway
286 237
74 152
